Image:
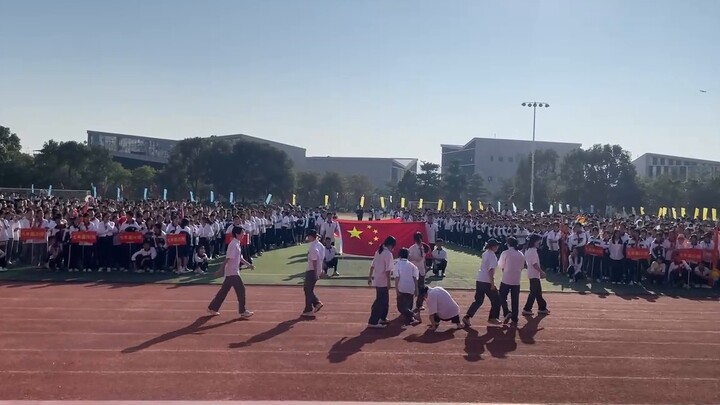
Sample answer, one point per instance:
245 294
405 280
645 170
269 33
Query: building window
654 160
492 158
489 178
662 161
650 171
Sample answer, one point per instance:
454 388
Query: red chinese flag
363 238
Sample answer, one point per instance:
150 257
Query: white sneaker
705 286
213 313
308 314
459 325
494 321
377 326
3 269
247 314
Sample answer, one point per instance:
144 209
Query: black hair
390 243
417 237
404 253
424 291
512 242
533 240
237 230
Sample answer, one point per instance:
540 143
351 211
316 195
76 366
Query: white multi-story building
653 165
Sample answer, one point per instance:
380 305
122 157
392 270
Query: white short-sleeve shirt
382 265
406 274
233 255
487 267
440 302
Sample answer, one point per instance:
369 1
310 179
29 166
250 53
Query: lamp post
534 105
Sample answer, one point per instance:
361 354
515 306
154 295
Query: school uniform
330 260
575 268
416 256
316 255
232 279
144 259
616 251
105 232
441 306
406 277
511 262
200 263
484 287
532 259
553 244
382 266
440 262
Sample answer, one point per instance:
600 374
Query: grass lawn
287 267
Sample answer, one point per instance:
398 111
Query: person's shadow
504 342
475 344
530 329
279 329
344 348
193 328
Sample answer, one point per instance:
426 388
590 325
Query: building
653 165
134 150
380 171
497 159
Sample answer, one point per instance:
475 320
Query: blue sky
373 78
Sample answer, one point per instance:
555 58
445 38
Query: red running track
152 342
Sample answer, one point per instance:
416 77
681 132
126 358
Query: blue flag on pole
50 191
94 191
145 192
118 194
232 197
267 199
212 196
32 189
165 194
192 196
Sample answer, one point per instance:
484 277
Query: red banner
32 234
363 238
637 253
690 255
131 237
84 237
243 240
594 250
176 239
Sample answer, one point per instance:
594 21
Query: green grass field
287 267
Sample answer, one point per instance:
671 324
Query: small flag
192 196
514 207
94 191
481 207
165 194
439 208
624 213
50 191
531 207
714 214
362 201
499 207
420 203
705 214
145 192
674 213
642 210
469 207
32 189
560 208
567 206
390 199
683 213
454 206
327 200
118 194
268 198
212 196
633 210
592 209
294 199
402 202
382 202
659 212
232 197
697 213
551 208
665 211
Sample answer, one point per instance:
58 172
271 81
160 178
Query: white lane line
354 374
364 352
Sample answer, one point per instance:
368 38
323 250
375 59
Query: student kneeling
441 307
144 259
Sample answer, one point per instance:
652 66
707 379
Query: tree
475 189
429 181
408 186
307 188
10 147
331 184
454 182
357 186
546 187
141 178
186 169
16 168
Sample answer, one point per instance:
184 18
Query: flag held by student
363 238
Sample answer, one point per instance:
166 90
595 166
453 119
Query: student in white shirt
439 259
316 257
406 287
416 255
534 273
431 230
330 261
231 269
485 285
144 258
511 262
575 266
441 307
379 277
200 260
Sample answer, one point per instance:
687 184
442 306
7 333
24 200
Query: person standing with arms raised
379 277
231 269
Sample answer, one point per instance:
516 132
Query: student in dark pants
485 285
379 277
231 269
535 273
316 254
406 286
511 262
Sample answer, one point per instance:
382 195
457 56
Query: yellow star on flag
369 227
355 233
375 231
376 239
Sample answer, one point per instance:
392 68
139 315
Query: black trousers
381 305
454 319
482 290
421 284
514 291
234 282
309 287
536 294
405 305
332 264
440 267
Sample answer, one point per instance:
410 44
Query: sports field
88 341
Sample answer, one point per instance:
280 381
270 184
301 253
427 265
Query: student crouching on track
535 273
379 277
441 307
316 257
511 262
231 269
485 285
406 286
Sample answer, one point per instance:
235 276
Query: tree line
600 175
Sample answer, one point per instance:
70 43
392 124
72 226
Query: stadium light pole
534 105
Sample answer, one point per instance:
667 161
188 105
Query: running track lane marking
318 322
353 374
343 352
241 403
310 336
